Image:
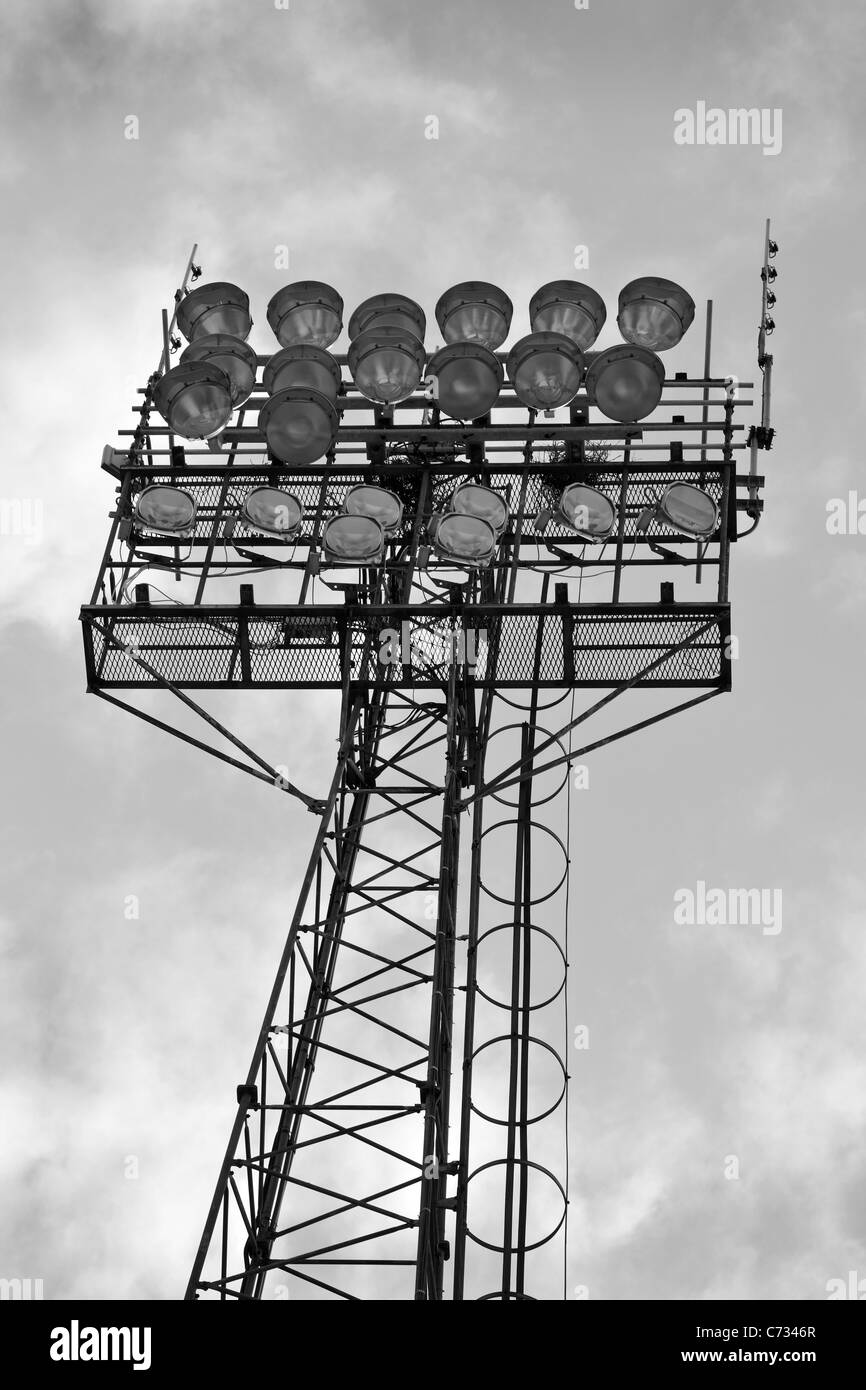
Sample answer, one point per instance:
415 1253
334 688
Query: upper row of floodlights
389 363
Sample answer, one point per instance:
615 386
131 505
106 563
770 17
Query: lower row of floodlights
389 363
466 534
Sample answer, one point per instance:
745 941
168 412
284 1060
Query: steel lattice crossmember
505 646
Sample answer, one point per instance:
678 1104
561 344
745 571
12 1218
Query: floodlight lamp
167 511
307 312
475 312
468 380
570 308
467 541
194 399
471 499
687 510
545 370
654 313
216 308
588 512
386 364
303 366
272 511
379 503
389 311
625 382
235 357
353 540
299 424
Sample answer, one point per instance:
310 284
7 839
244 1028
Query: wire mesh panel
326 648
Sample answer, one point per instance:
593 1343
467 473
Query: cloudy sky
305 127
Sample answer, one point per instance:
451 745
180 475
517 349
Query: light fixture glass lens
376 502
689 509
475 312
468 540
545 370
216 308
303 366
654 313
467 380
359 539
194 399
306 312
473 500
169 510
299 425
232 355
386 364
586 509
273 511
625 382
570 308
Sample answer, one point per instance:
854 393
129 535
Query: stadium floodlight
471 499
299 424
387 364
388 311
464 540
588 512
272 511
307 312
545 370
165 510
379 503
468 379
303 365
654 313
625 382
475 312
194 399
570 308
216 308
236 358
353 540
686 509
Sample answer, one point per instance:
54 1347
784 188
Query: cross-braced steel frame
350 1171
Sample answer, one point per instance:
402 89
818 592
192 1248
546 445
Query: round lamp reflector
306 312
216 308
235 357
545 370
465 540
570 308
467 380
386 364
194 399
688 509
588 511
625 382
303 365
273 511
300 425
475 312
474 500
388 311
357 540
168 510
379 503
654 313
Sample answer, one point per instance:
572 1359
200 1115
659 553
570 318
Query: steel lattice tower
362 1132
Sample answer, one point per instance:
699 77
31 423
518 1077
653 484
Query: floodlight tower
404 515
